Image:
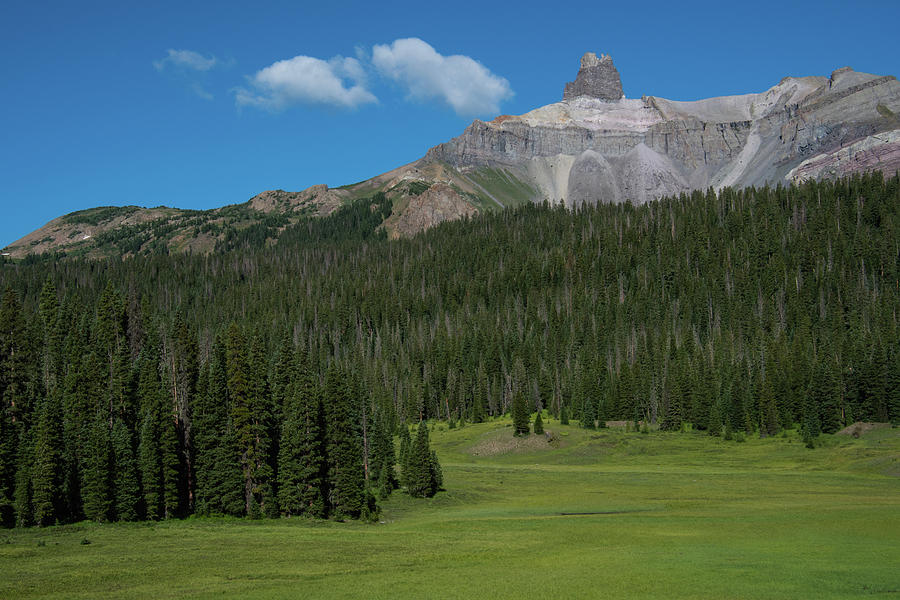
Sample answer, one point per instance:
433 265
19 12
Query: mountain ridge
595 145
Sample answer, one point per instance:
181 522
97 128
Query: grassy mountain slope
129 230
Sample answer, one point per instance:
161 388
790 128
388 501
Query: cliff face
596 145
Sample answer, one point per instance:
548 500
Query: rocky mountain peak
597 78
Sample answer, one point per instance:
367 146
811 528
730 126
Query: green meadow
605 514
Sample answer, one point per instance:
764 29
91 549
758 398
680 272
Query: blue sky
198 105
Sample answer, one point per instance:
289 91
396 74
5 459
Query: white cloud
201 91
463 83
186 59
307 80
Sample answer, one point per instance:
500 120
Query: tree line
102 426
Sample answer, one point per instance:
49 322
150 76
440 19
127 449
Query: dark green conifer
264 450
346 479
14 405
218 474
383 456
437 473
239 399
405 446
538 424
52 356
520 416
385 485
22 494
421 482
170 453
97 489
301 461
770 410
825 396
127 486
714 427
46 470
150 465
892 381
674 416
589 413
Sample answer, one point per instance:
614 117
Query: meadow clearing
596 514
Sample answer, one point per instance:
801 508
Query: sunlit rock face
598 146
597 78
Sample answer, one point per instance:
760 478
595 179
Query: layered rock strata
596 145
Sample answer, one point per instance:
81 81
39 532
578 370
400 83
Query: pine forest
275 377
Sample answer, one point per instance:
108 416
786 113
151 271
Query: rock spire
597 78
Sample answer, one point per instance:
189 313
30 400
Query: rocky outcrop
596 145
437 204
879 152
318 200
597 78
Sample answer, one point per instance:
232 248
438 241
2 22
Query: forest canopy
268 379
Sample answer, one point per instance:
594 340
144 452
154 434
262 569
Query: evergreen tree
521 425
264 450
242 419
150 464
301 462
478 412
422 479
715 418
127 485
52 356
674 415
218 475
538 424
159 459
437 473
14 402
22 494
588 413
183 373
170 454
405 447
824 397
892 378
386 484
346 479
811 425
383 459
7 471
770 414
46 471
97 489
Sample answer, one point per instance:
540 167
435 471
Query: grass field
670 516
